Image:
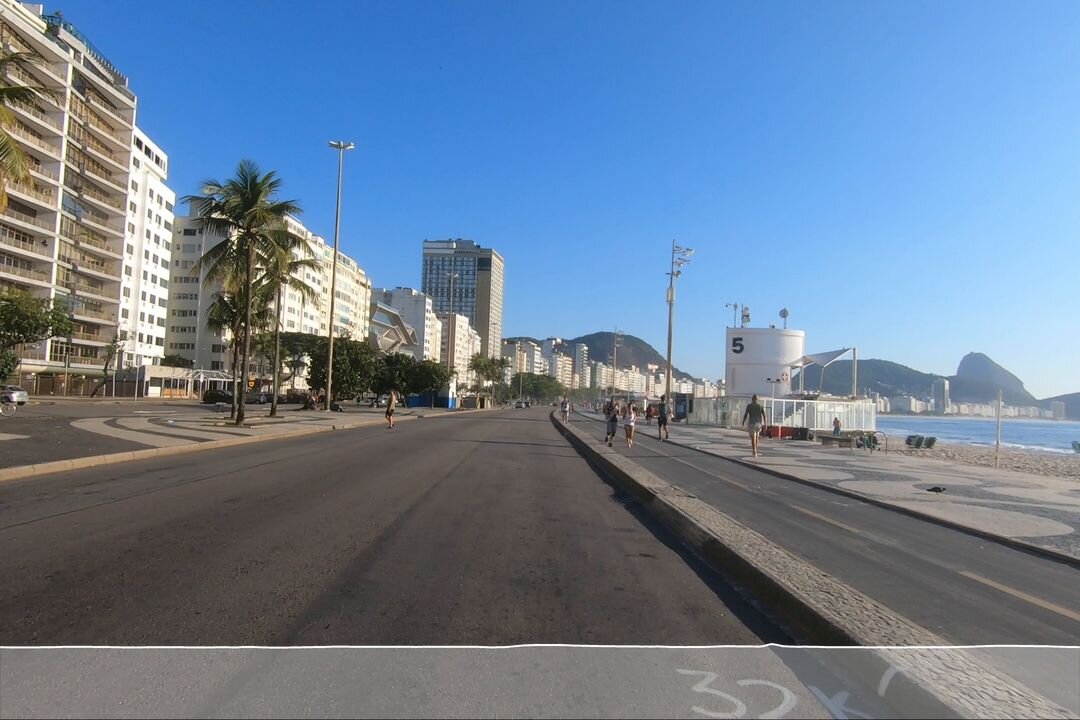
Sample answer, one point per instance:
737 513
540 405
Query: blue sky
904 177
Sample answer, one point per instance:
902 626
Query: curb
818 606
1015 544
28 471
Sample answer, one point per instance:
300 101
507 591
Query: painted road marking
6 436
823 518
101 427
1045 604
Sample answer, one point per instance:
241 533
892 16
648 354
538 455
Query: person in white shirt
629 419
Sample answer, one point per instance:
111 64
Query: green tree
354 366
541 388
429 376
177 360
394 372
25 319
246 212
488 370
283 270
14 164
226 314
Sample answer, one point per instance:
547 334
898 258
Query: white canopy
823 359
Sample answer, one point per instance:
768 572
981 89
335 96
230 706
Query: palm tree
282 271
227 312
14 165
244 210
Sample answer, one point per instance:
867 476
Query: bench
841 440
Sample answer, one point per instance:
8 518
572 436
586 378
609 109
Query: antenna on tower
783 316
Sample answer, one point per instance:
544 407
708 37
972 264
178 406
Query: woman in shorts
629 420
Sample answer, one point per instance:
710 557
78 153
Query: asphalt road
485 529
967 589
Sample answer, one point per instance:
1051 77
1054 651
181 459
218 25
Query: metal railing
31 110
23 272
40 170
16 215
44 195
90 191
14 238
87 312
19 131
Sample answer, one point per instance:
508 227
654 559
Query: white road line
142 423
1045 604
100 427
825 519
6 436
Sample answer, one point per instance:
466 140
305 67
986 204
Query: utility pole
341 146
679 257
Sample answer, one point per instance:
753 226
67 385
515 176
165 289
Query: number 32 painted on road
738 707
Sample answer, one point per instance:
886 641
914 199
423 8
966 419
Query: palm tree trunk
235 381
277 351
249 300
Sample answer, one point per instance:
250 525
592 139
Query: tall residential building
144 291
477 283
190 299
562 369
459 342
1057 409
416 308
63 233
940 390
581 361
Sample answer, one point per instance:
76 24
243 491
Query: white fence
813 414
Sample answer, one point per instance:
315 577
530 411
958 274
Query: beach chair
917 445
929 443
1076 445
910 440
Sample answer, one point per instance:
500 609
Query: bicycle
7 409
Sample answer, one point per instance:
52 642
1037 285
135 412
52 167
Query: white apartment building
459 342
63 233
416 309
601 376
190 299
561 367
144 290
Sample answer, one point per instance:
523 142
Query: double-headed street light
341 146
679 257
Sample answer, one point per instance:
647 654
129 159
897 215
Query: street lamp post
341 146
679 257
615 359
734 313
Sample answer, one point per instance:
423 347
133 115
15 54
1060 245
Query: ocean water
1055 436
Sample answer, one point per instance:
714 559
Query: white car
14 394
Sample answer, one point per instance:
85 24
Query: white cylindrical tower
757 355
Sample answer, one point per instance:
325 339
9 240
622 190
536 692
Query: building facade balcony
34 223
23 243
40 195
37 119
32 276
23 135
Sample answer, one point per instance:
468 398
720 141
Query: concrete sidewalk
1040 511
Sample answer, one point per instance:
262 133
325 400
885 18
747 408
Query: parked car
14 394
256 396
213 395
519 404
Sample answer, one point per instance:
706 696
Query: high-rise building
144 290
477 283
1057 409
581 361
941 396
64 232
416 308
459 342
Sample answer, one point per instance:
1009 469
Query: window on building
143 295
142 317
135 162
217 365
191 231
127 292
124 313
168 206
145 275
142 340
146 254
131 228
132 206
161 322
168 225
149 215
160 342
135 186
147 234
161 301
127 270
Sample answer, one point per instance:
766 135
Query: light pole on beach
341 146
679 257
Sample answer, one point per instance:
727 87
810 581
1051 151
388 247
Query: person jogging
755 413
662 414
629 420
611 415
391 401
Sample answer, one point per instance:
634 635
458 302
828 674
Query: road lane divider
817 607
1032 599
824 519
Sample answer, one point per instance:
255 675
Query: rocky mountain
978 379
880 376
1072 404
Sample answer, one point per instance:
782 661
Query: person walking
755 413
662 414
391 401
836 426
611 415
629 420
565 410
